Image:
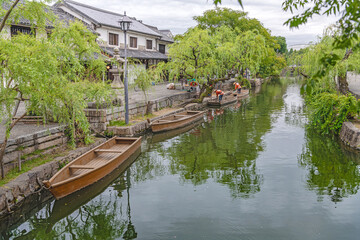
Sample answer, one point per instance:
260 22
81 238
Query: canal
251 171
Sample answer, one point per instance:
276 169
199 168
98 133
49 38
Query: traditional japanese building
146 43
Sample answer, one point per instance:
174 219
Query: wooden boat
176 120
214 102
162 136
92 166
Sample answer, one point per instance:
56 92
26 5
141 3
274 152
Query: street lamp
125 23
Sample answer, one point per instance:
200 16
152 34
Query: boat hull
167 126
225 101
62 189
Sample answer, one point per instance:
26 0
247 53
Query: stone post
117 70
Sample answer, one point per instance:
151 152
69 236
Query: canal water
250 171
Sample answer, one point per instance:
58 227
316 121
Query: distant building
298 46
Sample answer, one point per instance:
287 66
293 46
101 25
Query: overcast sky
176 15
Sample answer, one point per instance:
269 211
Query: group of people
219 93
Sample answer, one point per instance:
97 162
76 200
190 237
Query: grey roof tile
164 33
136 53
103 17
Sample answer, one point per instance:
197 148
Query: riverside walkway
135 96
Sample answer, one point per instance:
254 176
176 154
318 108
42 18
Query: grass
40 160
28 165
121 123
34 153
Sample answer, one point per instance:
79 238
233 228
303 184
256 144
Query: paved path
21 129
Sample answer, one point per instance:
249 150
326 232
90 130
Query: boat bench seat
165 120
81 167
108 151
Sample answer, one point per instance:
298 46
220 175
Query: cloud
177 15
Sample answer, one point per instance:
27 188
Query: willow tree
246 51
241 24
55 77
328 107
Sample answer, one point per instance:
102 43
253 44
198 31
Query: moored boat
214 102
92 166
176 120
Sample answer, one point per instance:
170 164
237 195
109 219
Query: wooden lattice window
15 30
149 44
113 39
133 42
162 48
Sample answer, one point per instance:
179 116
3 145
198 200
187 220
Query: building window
162 48
15 30
133 42
148 44
113 39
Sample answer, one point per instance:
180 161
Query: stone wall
27 144
350 135
141 127
353 80
100 118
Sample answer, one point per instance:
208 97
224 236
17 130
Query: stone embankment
350 134
141 127
19 149
13 193
100 118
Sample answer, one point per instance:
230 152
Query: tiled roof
103 17
136 53
66 17
61 16
165 34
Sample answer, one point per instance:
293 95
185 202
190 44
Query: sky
177 15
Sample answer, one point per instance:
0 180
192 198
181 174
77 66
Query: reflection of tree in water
101 218
331 170
148 166
227 148
130 232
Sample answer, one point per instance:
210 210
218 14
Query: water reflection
95 212
225 148
331 170
234 176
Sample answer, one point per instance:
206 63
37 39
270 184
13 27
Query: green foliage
281 41
117 123
239 28
245 83
108 134
348 23
213 19
328 111
36 12
55 76
323 65
28 165
331 171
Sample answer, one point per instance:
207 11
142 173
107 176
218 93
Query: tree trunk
3 145
2 24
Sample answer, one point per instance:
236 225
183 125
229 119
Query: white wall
353 80
5 33
141 39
